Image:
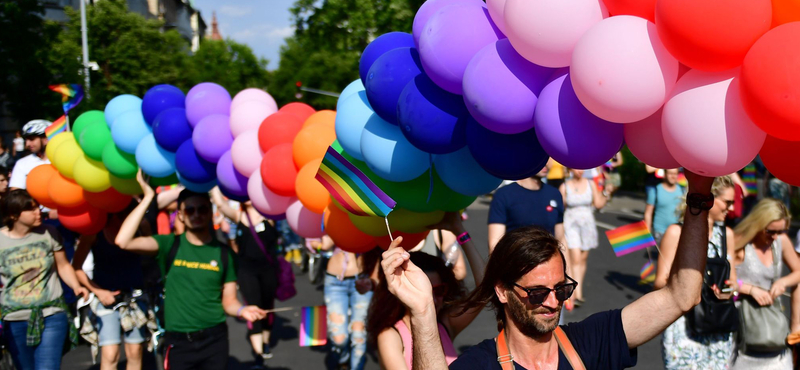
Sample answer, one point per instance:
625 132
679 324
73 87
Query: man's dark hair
516 254
186 194
4 172
16 202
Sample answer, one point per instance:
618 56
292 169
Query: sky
261 24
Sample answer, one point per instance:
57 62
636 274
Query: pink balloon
264 200
304 222
496 12
646 142
253 94
248 115
246 153
621 70
546 31
705 126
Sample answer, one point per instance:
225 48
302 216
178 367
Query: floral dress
683 350
579 225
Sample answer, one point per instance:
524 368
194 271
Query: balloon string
386 218
430 172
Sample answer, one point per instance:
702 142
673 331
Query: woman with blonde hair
761 246
688 343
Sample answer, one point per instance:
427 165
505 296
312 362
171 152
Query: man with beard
200 285
526 284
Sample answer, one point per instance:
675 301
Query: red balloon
344 234
409 240
711 35
278 170
38 181
278 128
301 110
641 8
110 200
83 219
780 158
770 87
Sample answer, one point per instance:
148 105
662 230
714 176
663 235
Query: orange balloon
38 182
409 240
110 200
344 234
309 191
785 11
65 192
311 143
301 110
325 116
83 219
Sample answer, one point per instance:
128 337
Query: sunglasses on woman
537 296
774 232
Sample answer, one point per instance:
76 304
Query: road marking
605 225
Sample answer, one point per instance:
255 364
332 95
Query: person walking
35 142
581 198
663 200
200 286
35 316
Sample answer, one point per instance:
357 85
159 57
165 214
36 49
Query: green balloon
126 186
164 181
119 163
84 120
94 139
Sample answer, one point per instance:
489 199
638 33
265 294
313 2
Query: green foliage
229 64
632 172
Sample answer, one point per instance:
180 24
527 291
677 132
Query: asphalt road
610 283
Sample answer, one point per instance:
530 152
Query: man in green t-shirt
197 295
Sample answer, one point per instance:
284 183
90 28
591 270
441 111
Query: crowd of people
166 272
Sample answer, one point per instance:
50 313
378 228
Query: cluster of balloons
496 88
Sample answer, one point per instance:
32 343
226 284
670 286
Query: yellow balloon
91 175
370 225
126 186
53 144
400 219
66 155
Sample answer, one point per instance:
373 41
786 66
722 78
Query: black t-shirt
515 207
599 340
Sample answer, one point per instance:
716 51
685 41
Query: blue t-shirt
666 204
599 340
515 207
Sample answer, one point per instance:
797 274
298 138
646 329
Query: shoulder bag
764 328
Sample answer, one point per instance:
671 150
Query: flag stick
386 218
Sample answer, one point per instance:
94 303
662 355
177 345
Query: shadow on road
621 281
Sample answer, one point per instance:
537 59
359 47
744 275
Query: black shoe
266 353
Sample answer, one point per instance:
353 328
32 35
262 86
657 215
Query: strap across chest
506 359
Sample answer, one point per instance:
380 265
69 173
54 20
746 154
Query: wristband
239 312
699 202
463 238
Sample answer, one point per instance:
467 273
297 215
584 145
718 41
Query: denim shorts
109 329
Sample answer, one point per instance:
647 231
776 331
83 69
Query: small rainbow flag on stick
58 126
71 95
351 188
630 238
647 273
313 326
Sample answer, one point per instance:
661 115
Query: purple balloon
571 134
379 46
451 38
279 217
232 183
212 137
205 99
501 88
427 10
510 157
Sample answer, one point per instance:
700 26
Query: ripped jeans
347 315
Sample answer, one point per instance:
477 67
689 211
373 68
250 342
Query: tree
229 64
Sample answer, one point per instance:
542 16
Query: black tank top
250 254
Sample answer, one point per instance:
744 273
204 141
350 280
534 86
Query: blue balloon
191 167
387 78
195 187
128 130
351 118
353 88
160 98
461 173
432 119
153 159
509 157
387 152
381 45
171 128
121 104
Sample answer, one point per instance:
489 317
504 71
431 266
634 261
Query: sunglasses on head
537 296
190 210
439 290
774 232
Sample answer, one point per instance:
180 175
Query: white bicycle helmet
35 127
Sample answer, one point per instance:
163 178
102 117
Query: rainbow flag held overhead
71 95
313 326
58 126
630 238
648 273
351 188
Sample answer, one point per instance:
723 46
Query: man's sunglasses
189 211
537 296
774 232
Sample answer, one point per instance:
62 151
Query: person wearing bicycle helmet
35 142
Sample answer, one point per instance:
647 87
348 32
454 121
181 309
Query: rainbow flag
71 95
630 238
351 188
58 126
313 326
749 179
647 273
682 180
